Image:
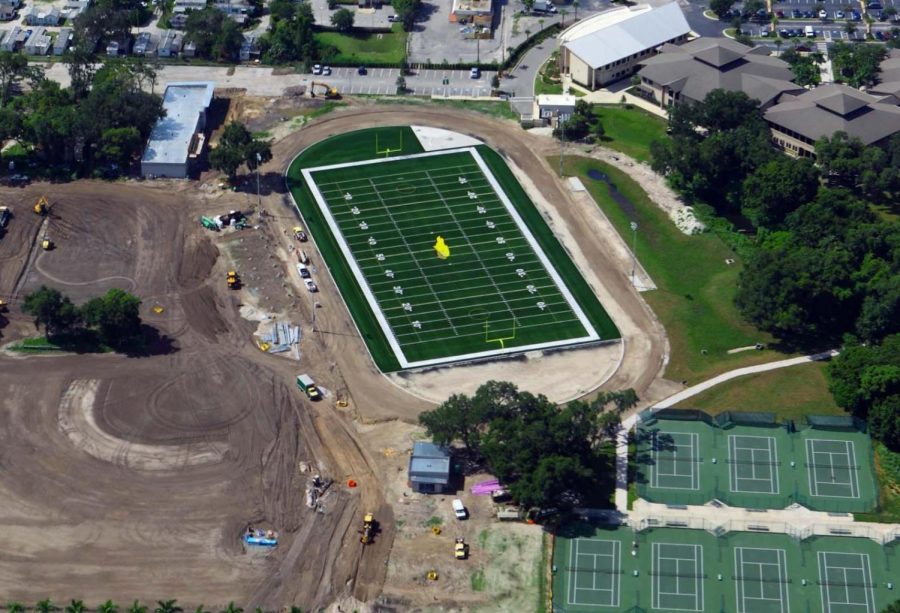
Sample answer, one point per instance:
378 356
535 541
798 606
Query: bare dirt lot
134 477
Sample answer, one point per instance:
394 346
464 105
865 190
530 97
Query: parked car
393 18
317 69
875 5
474 72
361 70
795 14
855 16
310 285
823 14
326 70
839 14
459 509
779 14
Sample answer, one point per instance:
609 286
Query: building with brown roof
797 122
688 72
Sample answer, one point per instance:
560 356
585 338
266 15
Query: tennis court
832 468
677 572
601 568
754 463
846 582
761 578
681 461
595 573
676 462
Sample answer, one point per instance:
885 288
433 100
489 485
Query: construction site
207 470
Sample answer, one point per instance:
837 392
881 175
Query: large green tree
777 188
721 8
342 20
546 454
116 316
237 147
406 10
50 309
216 36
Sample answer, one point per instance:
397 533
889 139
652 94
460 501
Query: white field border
522 226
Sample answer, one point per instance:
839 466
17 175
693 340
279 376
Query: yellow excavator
42 206
368 529
330 93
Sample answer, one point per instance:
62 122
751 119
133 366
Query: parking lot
424 82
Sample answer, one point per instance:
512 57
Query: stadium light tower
634 228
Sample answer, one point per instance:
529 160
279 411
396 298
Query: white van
810 33
459 509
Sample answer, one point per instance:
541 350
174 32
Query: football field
447 265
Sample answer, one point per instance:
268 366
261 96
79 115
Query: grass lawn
695 299
789 392
366 47
630 130
542 86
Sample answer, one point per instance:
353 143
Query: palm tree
562 17
575 5
541 21
76 606
167 606
232 608
46 606
137 607
15 607
108 607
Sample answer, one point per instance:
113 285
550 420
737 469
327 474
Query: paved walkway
629 422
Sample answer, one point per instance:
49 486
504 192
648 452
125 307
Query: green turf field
693 462
502 285
665 569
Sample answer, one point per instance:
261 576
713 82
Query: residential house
609 46
238 10
42 16
688 72
250 47
169 44
13 39
189 49
63 39
181 9
429 468
143 44
39 43
73 8
797 122
7 11
115 48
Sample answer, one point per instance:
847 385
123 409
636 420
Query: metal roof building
607 47
178 137
429 468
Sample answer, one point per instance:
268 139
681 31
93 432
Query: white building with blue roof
178 139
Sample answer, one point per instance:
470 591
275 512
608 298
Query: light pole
634 228
562 140
258 197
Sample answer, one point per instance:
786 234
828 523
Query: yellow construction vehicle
330 93
368 529
461 549
47 244
42 206
233 280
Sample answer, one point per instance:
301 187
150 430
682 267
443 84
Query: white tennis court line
824 579
591 333
770 460
740 588
813 467
615 574
697 562
693 461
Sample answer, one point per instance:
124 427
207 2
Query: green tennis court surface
665 569
447 265
693 462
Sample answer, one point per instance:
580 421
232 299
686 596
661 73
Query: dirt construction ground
134 477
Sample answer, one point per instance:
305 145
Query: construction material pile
280 339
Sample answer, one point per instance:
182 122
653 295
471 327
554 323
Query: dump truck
368 529
308 386
232 279
42 206
461 549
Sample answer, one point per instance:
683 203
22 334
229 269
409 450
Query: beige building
477 12
797 122
688 72
550 108
608 47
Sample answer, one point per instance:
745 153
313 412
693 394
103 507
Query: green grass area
37 344
434 521
789 392
887 474
364 47
630 129
477 580
495 107
696 288
542 86
466 292
81 341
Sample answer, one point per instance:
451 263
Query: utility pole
634 228
562 142
258 197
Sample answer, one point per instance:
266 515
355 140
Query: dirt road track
644 337
190 444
